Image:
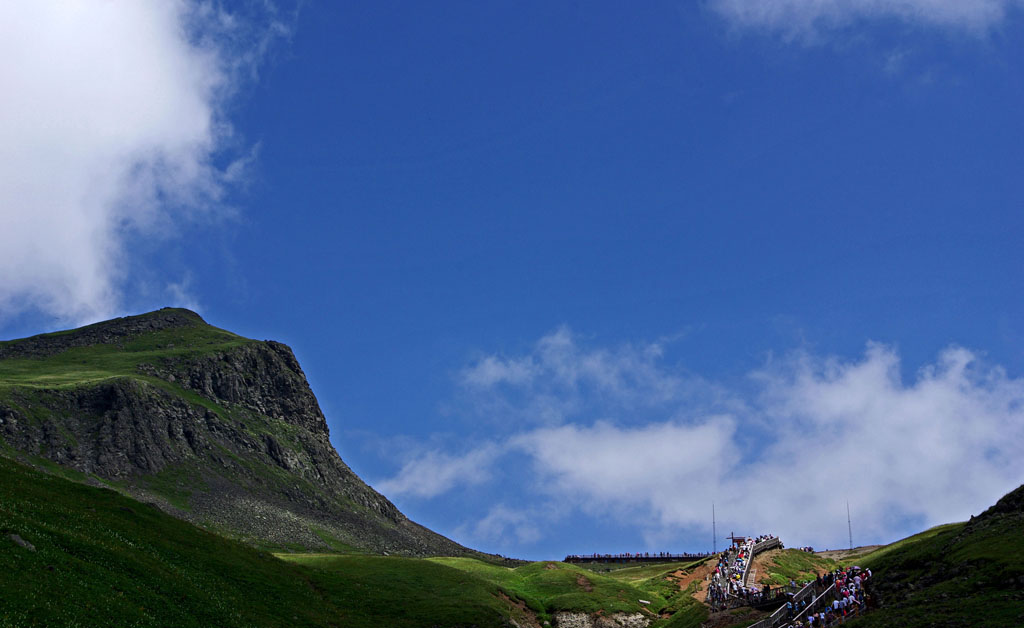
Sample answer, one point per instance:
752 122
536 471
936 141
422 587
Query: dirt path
684 578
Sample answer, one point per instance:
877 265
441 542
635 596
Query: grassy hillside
92 363
100 558
961 574
549 587
633 573
212 427
794 564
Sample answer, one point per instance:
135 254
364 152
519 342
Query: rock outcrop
568 619
215 428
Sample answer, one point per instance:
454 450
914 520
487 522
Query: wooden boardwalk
634 558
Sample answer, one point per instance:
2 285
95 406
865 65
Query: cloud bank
112 125
651 446
808 18
435 472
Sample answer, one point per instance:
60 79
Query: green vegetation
103 559
549 587
952 575
871 558
176 484
100 558
686 611
635 573
90 364
797 565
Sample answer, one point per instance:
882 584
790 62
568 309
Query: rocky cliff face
217 429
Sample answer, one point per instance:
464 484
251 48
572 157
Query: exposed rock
1010 505
567 619
22 542
231 437
112 332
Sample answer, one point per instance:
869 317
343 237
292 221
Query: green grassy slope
961 574
549 587
795 564
207 424
636 573
874 557
96 362
100 558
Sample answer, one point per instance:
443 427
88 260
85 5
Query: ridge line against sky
714 235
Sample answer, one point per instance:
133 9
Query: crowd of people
814 605
725 583
848 600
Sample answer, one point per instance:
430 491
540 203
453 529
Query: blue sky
562 274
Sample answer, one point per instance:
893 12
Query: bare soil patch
523 615
683 578
762 565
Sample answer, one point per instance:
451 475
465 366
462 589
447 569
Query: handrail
804 592
831 588
732 600
756 549
774 619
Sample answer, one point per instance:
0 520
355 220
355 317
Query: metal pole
849 527
714 531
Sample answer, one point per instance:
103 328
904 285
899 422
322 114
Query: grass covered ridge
96 362
549 587
797 565
101 558
960 574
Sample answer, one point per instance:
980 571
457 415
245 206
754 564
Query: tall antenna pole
849 528
714 531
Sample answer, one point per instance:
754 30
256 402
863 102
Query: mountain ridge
220 430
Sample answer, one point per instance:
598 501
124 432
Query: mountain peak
218 429
116 331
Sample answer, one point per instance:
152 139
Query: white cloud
559 379
808 435
112 124
180 294
502 524
492 370
808 18
934 450
604 467
435 472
